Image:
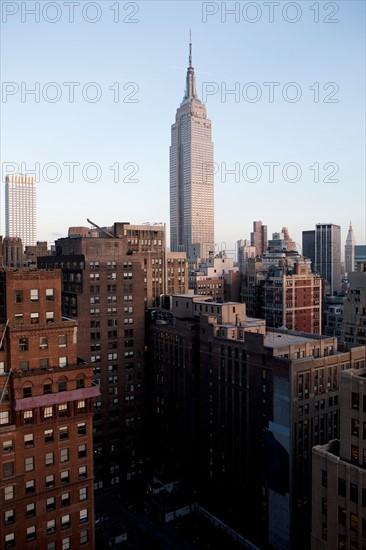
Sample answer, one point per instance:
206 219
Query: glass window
83 515
65 521
29 464
30 510
8 469
34 295
28 440
64 455
49 459
84 537
50 481
49 294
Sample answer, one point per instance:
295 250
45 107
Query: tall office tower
191 175
339 473
109 278
328 254
349 251
308 246
20 208
258 238
46 409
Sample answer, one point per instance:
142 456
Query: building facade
328 255
339 474
46 406
258 238
349 251
20 208
258 400
191 175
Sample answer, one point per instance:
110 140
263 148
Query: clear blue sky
153 54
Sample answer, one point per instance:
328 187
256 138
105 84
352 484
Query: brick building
46 408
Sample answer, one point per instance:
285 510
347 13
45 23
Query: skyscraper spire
190 92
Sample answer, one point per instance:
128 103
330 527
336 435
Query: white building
191 175
349 251
20 208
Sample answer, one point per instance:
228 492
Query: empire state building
191 175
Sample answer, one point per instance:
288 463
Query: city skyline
312 132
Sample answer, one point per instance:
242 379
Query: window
49 294
81 406
47 412
2 367
83 493
64 455
9 517
65 543
65 521
18 295
353 522
24 366
28 417
30 510
43 342
65 477
49 459
4 417
62 410
48 436
8 469
34 295
353 492
80 383
50 316
64 432
34 317
18 318
50 481
83 515
51 526
62 362
51 546
28 441
62 385
30 487
50 504
43 363
29 464
84 537
82 472
341 487
47 388
27 391
82 428
65 499
23 344
62 340
31 533
8 446
82 451
10 540
8 492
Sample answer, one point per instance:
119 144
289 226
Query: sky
284 87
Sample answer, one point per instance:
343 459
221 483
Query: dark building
46 408
328 256
238 408
308 246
